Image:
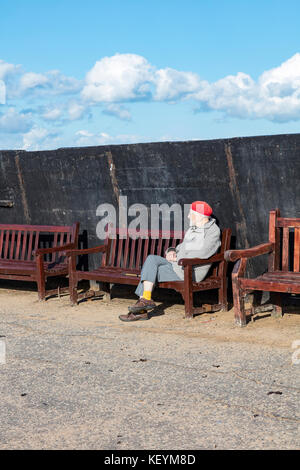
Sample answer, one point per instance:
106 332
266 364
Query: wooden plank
24 243
290 287
12 244
120 251
55 239
285 249
174 243
139 253
146 250
61 239
113 252
6 243
166 245
274 237
152 248
17 254
29 252
41 228
36 242
282 275
126 251
288 222
132 253
159 247
1 241
297 250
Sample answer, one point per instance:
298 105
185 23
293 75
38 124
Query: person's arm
207 249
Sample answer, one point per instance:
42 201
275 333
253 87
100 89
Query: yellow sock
147 294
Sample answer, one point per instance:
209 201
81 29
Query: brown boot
142 304
134 316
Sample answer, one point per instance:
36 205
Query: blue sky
98 72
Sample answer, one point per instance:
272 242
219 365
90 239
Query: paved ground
78 378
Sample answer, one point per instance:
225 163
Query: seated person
202 240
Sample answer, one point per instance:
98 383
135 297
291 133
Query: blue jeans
156 268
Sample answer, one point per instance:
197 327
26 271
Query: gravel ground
78 378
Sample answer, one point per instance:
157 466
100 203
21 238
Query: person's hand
171 256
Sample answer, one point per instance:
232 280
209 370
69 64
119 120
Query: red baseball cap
202 208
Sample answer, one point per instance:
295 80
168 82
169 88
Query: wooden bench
283 274
35 252
122 259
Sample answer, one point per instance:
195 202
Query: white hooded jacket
199 242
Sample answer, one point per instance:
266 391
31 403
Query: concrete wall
241 178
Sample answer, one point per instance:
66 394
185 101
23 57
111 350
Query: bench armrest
86 251
193 261
234 255
45 251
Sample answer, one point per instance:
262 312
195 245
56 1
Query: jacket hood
206 226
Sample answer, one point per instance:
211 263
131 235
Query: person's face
192 217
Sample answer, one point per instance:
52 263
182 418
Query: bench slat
12 244
120 246
297 250
6 244
1 241
146 247
285 249
126 250
54 246
132 253
17 254
29 252
24 245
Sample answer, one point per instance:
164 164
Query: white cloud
86 138
32 139
122 77
119 111
52 114
76 110
113 81
7 69
32 80
53 81
275 96
14 122
172 84
39 138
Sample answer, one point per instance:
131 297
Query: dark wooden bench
35 252
283 274
122 259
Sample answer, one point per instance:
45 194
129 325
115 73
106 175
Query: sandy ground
78 378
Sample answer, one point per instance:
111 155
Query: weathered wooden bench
35 252
122 259
283 267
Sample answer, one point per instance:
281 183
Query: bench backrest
285 234
18 242
130 253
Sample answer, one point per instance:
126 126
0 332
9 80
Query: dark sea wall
241 178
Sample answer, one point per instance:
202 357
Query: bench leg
239 304
222 293
41 285
106 287
188 304
277 303
73 290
